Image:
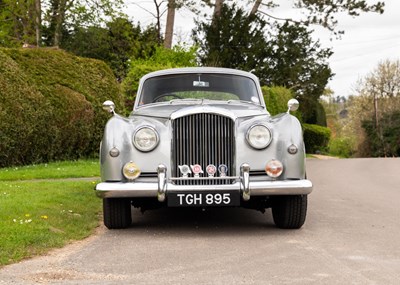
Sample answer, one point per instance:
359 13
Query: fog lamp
274 168
131 171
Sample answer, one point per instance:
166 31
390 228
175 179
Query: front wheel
289 212
117 213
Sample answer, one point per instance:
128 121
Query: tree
116 43
296 61
58 8
282 52
316 12
37 22
168 7
231 40
64 15
217 9
20 22
375 110
279 54
169 29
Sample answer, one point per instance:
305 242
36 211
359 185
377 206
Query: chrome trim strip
204 178
203 109
257 188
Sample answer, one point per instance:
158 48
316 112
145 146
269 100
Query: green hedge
342 147
276 99
130 84
50 105
161 59
316 138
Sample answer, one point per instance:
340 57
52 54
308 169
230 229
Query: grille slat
203 139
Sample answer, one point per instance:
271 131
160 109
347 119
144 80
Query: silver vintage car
202 137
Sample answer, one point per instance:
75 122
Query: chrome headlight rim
248 138
146 149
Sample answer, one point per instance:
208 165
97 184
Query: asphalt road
351 236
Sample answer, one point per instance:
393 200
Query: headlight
259 136
145 138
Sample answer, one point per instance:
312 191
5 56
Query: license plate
204 199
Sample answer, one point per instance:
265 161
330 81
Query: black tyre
117 213
289 212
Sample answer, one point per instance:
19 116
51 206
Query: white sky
368 39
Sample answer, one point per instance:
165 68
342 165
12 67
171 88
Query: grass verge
54 170
39 215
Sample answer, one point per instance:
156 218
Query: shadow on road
196 221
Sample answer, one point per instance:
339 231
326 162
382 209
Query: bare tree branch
283 19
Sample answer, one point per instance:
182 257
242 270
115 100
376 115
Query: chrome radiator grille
203 139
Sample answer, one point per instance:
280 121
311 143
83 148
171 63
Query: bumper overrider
165 185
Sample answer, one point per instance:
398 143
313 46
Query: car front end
202 152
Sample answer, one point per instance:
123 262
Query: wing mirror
109 106
293 105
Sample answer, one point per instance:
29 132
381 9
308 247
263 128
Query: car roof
184 70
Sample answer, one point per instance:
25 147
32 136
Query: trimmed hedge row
276 99
51 105
162 58
316 138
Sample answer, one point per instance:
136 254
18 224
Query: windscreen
223 87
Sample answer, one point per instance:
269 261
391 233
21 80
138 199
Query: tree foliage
162 58
300 64
231 40
296 61
385 141
18 22
168 8
374 110
279 54
116 43
324 12
44 22
309 12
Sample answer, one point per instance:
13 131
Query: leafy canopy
279 54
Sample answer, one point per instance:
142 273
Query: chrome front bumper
243 184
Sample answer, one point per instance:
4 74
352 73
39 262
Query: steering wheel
166 95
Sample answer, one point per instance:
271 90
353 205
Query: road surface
351 236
